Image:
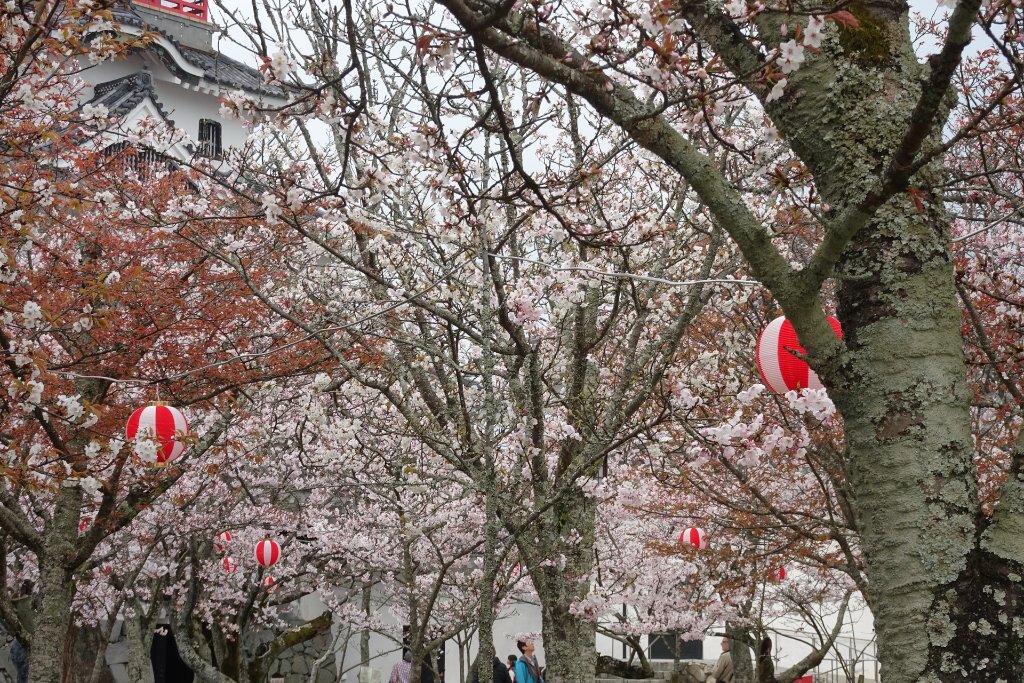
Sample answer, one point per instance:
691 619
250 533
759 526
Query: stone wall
296 663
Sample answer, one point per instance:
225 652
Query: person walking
400 672
499 674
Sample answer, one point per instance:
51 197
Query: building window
209 138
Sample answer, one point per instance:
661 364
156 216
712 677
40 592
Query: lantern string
631 276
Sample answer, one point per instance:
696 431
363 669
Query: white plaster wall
184 107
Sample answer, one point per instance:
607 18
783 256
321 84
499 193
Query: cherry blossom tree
531 213
103 309
865 165
521 357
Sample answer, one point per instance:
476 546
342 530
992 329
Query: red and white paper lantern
267 552
268 584
161 424
221 540
230 564
780 369
780 574
695 537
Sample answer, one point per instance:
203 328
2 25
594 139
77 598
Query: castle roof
193 63
122 96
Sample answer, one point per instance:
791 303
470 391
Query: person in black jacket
765 671
500 673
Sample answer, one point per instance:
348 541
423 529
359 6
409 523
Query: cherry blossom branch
268 652
182 618
14 522
727 40
8 613
543 52
817 653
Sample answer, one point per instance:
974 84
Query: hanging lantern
267 552
268 584
780 574
230 564
161 424
780 369
221 540
695 537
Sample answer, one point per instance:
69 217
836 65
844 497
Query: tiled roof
231 74
218 68
121 95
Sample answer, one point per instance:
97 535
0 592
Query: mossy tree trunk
567 538
56 587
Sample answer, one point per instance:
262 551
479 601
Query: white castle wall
184 107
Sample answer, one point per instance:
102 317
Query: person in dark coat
19 657
765 666
500 673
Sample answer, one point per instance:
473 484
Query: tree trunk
485 610
570 639
100 671
903 396
944 607
739 648
56 587
46 660
204 671
364 634
138 633
570 654
901 389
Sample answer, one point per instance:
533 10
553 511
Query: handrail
193 9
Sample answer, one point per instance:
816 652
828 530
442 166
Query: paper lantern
780 574
221 540
780 369
161 424
695 537
267 552
230 564
268 584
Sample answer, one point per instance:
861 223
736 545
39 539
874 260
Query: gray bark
489 483
204 671
739 648
56 586
568 638
817 654
138 631
364 634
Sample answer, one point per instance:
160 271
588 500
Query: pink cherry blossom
813 33
791 56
